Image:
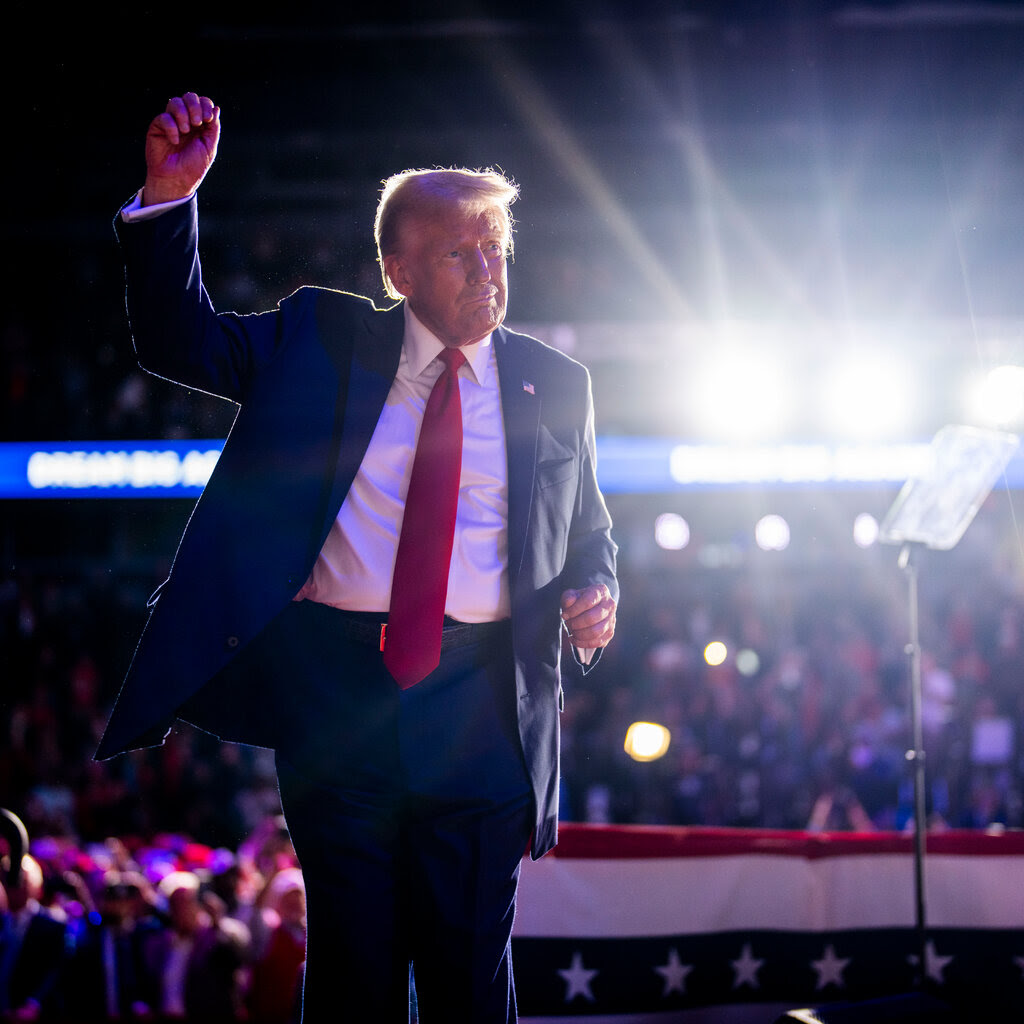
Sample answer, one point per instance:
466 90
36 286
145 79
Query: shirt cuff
135 211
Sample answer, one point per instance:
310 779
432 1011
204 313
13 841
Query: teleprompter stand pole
908 563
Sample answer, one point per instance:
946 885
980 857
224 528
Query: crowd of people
807 722
167 930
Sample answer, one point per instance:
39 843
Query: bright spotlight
868 397
671 531
646 741
716 652
997 399
742 396
865 530
772 533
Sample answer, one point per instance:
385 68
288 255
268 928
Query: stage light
745 395
715 653
671 531
772 533
871 396
997 399
865 530
647 741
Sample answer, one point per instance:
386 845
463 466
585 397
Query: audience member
279 941
105 979
34 947
193 966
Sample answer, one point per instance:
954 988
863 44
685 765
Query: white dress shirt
357 561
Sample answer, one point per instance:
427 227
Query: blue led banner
626 465
77 469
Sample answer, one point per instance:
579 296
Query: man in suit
34 949
417 760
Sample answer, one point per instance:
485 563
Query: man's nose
477 267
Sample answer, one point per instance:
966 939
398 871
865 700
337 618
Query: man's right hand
181 145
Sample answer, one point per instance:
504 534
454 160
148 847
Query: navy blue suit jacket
310 379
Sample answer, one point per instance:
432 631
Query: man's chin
484 324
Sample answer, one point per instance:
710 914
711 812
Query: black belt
368 628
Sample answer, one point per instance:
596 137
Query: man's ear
394 267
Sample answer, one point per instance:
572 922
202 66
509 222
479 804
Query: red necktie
419 587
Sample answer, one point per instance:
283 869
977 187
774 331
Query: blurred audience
95 932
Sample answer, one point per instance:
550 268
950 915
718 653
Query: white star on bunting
830 968
746 969
577 979
674 973
934 964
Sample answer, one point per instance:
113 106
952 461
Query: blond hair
428 191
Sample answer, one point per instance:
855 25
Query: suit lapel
521 400
375 352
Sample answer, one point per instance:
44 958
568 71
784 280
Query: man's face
451 268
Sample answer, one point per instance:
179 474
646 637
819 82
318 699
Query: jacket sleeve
176 331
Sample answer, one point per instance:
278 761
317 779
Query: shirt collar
422 347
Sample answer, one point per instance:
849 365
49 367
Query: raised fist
181 145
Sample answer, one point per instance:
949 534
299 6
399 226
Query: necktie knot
452 358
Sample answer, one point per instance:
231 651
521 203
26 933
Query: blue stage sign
626 465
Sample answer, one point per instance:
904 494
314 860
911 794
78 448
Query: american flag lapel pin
528 388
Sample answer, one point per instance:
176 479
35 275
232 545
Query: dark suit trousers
410 812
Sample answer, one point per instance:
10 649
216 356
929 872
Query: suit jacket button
232 641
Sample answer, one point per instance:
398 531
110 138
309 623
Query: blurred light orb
671 531
647 741
772 533
747 662
865 530
870 396
998 398
742 395
716 652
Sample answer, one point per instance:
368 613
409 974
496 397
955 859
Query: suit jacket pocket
556 462
556 471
